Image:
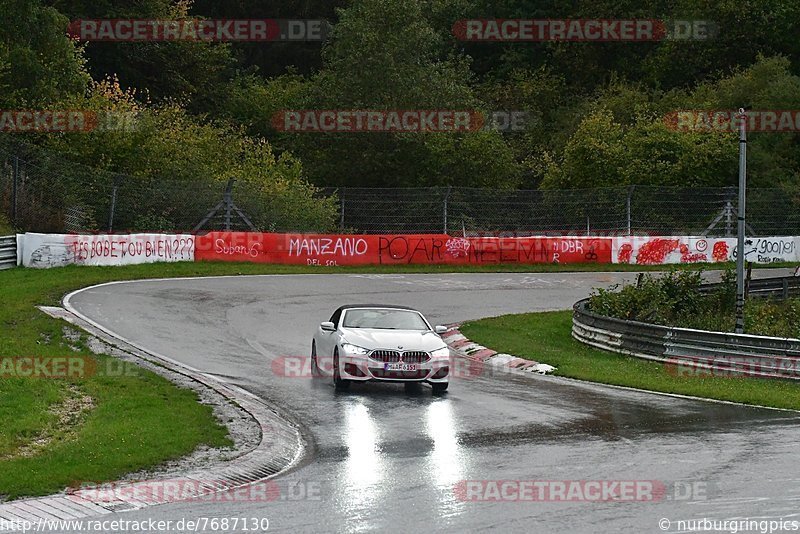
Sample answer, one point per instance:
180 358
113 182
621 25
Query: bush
773 318
675 299
656 299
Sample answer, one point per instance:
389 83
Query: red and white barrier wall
58 250
53 250
309 249
676 249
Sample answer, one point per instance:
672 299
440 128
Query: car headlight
354 350
444 352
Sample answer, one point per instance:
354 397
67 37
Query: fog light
441 373
353 370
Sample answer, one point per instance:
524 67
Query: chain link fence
41 191
601 211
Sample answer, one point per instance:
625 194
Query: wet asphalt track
386 459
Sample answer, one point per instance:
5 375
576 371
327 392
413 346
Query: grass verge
545 337
135 421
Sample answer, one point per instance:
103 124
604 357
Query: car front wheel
339 382
315 370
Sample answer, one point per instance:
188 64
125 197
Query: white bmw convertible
384 343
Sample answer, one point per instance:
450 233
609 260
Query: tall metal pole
741 220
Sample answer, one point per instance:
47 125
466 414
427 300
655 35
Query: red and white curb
466 348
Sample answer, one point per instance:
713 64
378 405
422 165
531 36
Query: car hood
370 338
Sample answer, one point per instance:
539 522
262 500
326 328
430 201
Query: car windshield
384 319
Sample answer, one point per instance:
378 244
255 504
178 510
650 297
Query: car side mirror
439 329
327 326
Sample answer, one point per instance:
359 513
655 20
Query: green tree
389 55
176 166
744 29
268 60
768 84
170 70
604 153
39 65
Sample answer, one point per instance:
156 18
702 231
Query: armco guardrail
719 352
782 287
8 252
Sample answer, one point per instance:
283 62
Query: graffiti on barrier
338 250
687 249
769 249
57 250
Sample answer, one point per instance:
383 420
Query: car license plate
399 367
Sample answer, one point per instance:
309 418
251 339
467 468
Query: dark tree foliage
596 109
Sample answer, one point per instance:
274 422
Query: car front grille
416 357
386 356
394 356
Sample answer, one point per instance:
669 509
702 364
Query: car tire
439 387
315 370
339 383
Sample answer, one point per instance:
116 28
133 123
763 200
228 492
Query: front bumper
363 369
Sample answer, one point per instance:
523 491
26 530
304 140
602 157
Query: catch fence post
628 206
228 200
444 212
115 186
341 205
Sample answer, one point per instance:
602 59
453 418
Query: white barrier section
58 250
659 250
